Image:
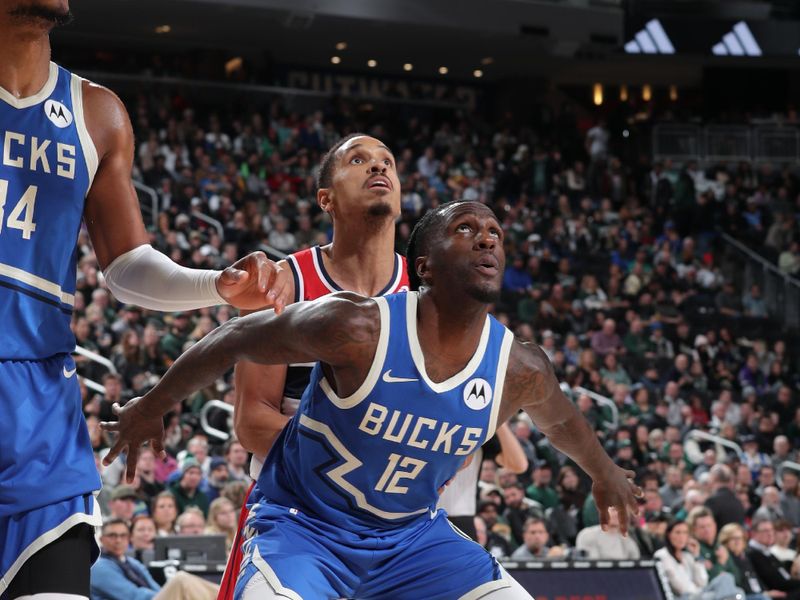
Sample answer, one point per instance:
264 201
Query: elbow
517 465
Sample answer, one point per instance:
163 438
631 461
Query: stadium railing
150 210
781 292
206 426
598 398
726 143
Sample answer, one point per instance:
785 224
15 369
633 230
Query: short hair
721 474
698 512
533 521
325 175
758 522
189 510
728 531
419 240
114 521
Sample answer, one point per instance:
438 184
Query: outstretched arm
532 385
340 330
134 271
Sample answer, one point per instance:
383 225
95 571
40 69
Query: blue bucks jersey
376 459
46 168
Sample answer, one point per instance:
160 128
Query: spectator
770 509
686 576
191 521
116 576
217 478
723 503
703 528
535 543
187 489
236 457
222 520
790 502
541 490
165 513
597 544
493 542
768 568
782 549
732 537
143 535
518 510
753 303
672 490
606 341
123 503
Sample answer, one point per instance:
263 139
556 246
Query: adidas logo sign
651 40
739 42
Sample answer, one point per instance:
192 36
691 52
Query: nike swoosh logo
68 374
387 377
434 513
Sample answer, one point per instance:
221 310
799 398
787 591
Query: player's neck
449 329
26 60
361 261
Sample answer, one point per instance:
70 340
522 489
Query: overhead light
477 73
443 70
673 93
341 46
336 60
408 67
623 93
487 60
163 29
597 94
372 63
647 92
233 65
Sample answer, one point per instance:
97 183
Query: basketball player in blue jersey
406 386
66 153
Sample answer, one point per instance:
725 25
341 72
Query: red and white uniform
311 281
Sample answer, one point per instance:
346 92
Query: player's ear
421 268
325 199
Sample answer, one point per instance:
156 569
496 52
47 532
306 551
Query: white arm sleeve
146 277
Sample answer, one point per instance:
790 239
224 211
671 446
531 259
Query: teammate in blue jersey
406 386
66 154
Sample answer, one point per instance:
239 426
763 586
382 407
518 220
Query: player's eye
356 160
387 162
464 227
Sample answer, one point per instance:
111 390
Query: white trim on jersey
351 463
419 358
272 579
89 149
486 588
299 294
399 270
48 537
37 282
316 255
364 390
40 96
499 381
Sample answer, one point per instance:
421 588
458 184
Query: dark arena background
644 159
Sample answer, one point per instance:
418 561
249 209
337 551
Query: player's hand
134 428
255 282
616 489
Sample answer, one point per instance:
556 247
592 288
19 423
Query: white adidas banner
651 40
739 42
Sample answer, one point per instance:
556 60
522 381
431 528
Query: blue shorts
47 469
301 556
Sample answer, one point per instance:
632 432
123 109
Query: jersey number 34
21 216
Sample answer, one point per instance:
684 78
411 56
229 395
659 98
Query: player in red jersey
358 187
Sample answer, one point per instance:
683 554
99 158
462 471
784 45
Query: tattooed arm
531 385
341 330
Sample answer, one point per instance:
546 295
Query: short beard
482 294
34 13
376 215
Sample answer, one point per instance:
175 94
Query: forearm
575 437
148 278
511 456
198 367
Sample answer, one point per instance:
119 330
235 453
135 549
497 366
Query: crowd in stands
615 269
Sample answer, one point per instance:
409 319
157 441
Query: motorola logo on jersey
58 114
477 394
